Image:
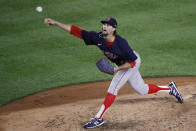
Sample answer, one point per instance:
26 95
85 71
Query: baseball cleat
94 123
174 92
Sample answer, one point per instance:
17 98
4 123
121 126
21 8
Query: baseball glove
105 66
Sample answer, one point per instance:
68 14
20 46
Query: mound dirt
68 108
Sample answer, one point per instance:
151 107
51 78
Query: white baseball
39 9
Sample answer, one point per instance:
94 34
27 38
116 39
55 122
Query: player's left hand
105 66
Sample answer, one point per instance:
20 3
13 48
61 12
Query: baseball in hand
39 9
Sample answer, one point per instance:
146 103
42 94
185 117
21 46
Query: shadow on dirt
131 124
141 100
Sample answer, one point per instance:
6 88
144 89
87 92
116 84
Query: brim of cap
104 21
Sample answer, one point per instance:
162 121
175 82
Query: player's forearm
51 22
74 30
65 27
122 67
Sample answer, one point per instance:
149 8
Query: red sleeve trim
76 31
132 63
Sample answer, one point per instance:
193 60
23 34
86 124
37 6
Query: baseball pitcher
118 51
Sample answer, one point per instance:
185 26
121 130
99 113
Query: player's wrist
56 23
116 69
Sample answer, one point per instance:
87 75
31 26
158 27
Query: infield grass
34 57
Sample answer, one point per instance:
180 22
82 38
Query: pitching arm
74 30
51 22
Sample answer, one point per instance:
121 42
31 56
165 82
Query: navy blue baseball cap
111 21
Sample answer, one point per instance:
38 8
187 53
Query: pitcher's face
107 29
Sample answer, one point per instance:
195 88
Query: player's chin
104 33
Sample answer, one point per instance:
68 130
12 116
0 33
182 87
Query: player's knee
113 91
141 91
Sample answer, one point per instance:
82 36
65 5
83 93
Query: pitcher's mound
69 108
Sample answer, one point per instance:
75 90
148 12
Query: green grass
34 57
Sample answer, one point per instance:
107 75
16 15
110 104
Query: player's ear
113 29
114 32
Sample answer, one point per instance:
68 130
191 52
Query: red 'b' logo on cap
108 19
